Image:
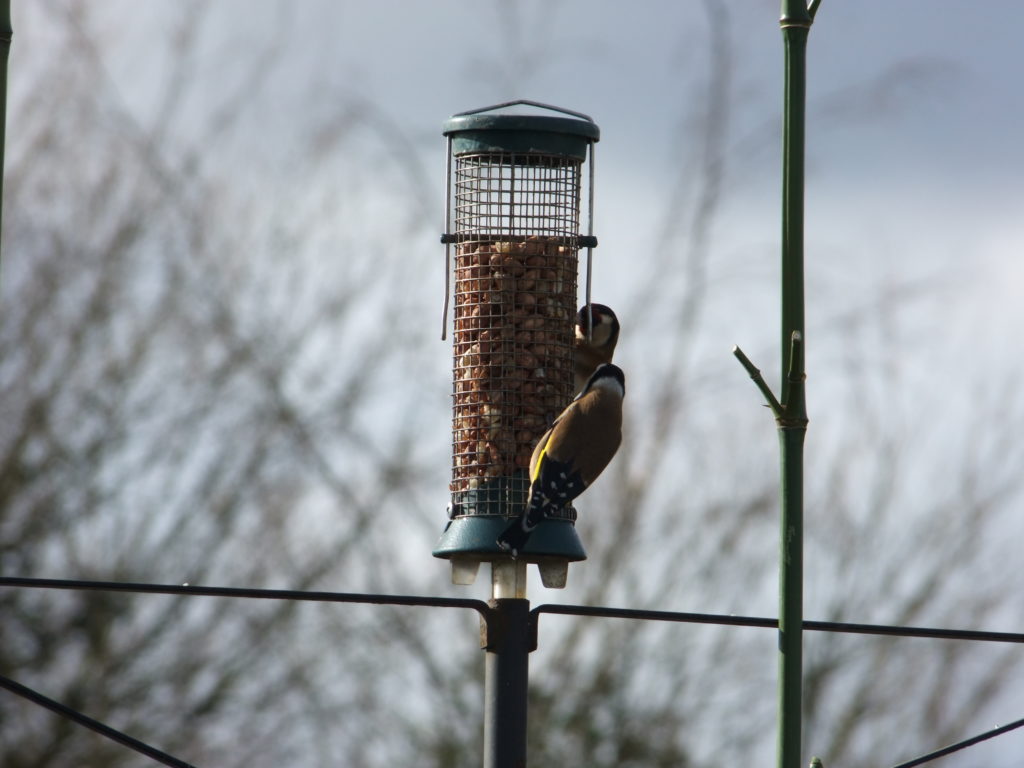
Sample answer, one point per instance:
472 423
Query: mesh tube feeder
516 185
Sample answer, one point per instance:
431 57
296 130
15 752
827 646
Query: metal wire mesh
516 228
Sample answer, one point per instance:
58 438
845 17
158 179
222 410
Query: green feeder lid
483 131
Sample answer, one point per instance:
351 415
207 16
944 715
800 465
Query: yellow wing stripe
540 461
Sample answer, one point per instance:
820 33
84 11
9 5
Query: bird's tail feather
515 536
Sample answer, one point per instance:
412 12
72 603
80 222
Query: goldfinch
572 453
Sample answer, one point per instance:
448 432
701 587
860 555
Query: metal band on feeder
517 191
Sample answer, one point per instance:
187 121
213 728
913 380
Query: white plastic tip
554 575
464 571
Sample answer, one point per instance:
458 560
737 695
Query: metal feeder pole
508 642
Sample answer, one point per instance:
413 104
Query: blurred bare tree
192 384
195 375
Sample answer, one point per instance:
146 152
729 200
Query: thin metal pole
506 671
6 33
446 238
590 240
795 23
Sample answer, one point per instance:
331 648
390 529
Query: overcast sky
914 124
914 127
915 155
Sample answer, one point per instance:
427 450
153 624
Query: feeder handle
526 102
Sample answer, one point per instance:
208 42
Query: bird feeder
516 185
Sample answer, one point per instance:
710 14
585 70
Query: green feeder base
469 540
477 535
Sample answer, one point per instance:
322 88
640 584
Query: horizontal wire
900 631
962 744
104 730
258 594
485 611
754 621
631 613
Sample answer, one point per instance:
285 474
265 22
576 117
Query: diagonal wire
962 744
104 730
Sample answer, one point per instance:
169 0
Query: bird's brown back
578 444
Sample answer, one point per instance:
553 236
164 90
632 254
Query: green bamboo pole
796 23
790 410
792 428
